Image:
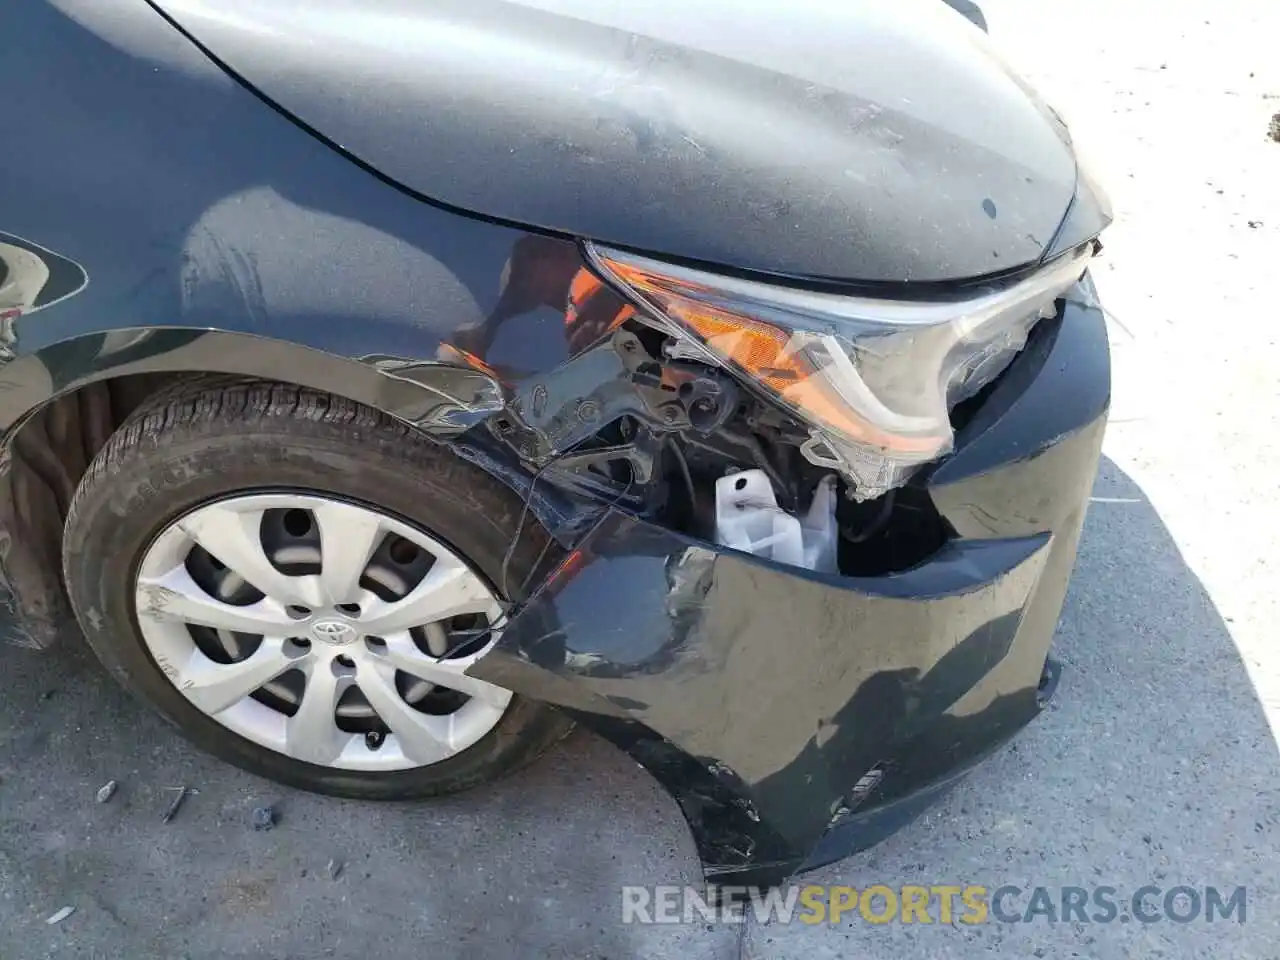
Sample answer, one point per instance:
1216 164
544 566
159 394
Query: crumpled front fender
761 695
797 717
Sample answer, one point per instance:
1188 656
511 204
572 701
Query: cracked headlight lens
874 379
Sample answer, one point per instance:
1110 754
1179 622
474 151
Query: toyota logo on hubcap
333 631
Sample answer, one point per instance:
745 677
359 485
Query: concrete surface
1157 764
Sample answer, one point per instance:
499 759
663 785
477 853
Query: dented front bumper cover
798 717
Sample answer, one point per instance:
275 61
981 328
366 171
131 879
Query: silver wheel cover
322 633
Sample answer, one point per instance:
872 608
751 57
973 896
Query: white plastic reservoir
748 518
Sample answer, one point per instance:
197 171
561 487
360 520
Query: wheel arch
59 406
441 398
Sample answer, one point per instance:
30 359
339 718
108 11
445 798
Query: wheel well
50 450
49 453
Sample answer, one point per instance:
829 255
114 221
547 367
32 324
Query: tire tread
201 413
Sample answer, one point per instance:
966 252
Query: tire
204 440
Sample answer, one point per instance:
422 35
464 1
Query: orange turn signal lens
874 380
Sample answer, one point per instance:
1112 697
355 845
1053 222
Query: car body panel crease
171 221
645 127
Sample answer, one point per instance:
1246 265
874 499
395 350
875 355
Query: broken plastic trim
642 634
453 398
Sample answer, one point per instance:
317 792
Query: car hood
859 140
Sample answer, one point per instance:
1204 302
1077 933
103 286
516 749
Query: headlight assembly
875 380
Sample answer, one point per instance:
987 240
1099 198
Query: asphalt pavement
1157 763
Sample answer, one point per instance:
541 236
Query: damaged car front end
801 714
779 370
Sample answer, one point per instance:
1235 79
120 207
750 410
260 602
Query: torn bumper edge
795 717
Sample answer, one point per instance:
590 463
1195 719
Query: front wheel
300 583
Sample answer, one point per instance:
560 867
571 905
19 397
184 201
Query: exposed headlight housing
875 380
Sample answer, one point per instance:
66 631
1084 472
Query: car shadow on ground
1110 787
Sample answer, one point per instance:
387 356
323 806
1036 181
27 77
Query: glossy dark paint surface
852 141
33 278
1089 214
216 235
760 695
221 237
191 204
